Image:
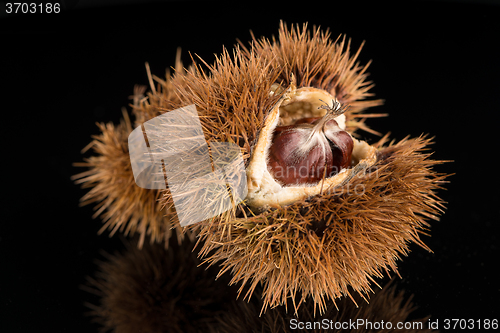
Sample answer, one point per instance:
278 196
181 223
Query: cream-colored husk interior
263 189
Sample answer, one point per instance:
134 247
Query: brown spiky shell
318 246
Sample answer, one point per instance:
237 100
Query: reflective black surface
436 65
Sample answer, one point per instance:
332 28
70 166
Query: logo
170 151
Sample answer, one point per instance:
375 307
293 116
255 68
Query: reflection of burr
388 311
164 290
157 290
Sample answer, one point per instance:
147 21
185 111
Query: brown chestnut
308 151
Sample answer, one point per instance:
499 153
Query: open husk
332 237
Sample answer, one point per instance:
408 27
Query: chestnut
308 151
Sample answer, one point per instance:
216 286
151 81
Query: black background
436 65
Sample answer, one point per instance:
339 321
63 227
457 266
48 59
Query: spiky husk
344 238
317 247
387 306
157 290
